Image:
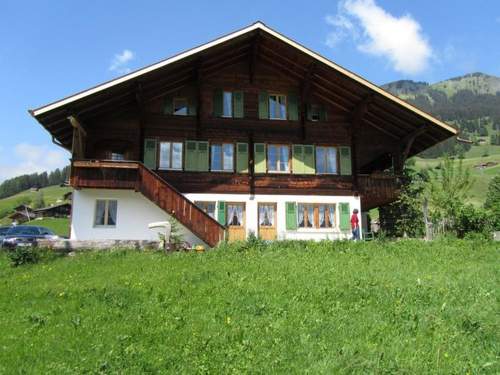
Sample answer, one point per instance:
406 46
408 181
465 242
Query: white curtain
112 208
240 214
331 213
99 212
266 215
300 211
322 216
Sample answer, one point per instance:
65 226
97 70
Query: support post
305 97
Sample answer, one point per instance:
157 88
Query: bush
24 255
473 220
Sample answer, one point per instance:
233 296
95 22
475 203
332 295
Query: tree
446 190
492 203
39 201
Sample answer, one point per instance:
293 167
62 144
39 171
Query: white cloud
26 158
379 33
120 61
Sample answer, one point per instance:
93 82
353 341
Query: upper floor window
117 156
170 155
315 112
277 107
326 160
207 207
180 107
278 158
222 157
105 212
227 104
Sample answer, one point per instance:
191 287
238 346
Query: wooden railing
378 190
134 175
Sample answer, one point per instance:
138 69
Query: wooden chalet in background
251 132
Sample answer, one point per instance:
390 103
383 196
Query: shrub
24 255
473 220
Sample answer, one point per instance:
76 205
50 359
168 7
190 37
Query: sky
51 49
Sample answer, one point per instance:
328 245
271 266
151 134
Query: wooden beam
305 97
76 124
407 143
253 56
199 97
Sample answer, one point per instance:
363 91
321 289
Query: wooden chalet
251 132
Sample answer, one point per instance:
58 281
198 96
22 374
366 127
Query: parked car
26 235
3 232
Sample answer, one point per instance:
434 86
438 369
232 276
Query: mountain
470 102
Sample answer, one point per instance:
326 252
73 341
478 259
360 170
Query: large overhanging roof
391 115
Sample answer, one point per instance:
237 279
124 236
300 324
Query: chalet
22 214
249 133
57 210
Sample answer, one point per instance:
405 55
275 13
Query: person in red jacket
355 224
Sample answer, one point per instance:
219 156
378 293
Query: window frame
232 103
314 107
179 98
269 106
203 205
221 144
316 226
243 214
337 156
106 213
170 168
268 147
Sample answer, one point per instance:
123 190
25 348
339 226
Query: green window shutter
150 153
238 103
221 212
168 106
291 216
217 103
298 159
259 158
191 159
293 107
192 107
345 161
323 114
263 105
309 166
202 159
345 222
242 157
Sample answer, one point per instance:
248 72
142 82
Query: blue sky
50 49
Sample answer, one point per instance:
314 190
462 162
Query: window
170 155
227 104
105 213
326 216
117 156
326 160
278 158
315 112
266 214
207 207
277 107
235 214
305 215
320 216
222 157
180 107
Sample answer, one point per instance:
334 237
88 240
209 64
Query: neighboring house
58 210
249 133
22 214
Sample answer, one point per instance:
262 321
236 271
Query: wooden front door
236 221
267 221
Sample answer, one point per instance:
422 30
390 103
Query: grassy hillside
50 194
482 177
406 307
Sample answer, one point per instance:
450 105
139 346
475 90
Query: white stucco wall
134 213
251 210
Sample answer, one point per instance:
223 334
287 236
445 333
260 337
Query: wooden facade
379 130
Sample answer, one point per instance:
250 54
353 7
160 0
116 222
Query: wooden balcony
135 176
378 190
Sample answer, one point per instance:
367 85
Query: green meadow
286 307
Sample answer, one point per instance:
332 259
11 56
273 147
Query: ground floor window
105 212
235 214
315 215
207 207
266 214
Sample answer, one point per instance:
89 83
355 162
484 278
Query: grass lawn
289 307
59 226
